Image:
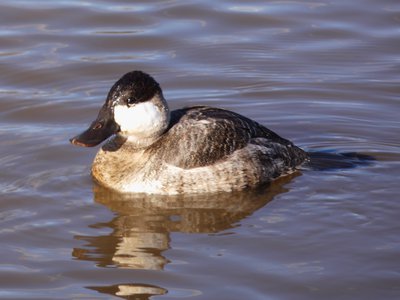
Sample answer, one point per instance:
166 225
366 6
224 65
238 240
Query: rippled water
324 74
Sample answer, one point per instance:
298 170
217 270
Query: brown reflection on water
137 291
141 230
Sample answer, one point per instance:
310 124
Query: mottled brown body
204 150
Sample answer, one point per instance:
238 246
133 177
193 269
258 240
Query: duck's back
201 136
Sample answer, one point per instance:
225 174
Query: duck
151 149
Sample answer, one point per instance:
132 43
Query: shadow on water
141 230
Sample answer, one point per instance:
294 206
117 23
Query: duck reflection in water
142 227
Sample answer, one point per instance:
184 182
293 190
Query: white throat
143 122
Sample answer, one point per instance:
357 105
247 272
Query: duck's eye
131 101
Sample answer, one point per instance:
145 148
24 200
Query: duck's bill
100 130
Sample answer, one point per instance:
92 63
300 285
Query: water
323 74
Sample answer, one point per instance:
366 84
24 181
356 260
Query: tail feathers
325 161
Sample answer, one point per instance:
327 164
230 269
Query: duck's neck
144 123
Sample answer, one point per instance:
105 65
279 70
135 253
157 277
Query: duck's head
134 108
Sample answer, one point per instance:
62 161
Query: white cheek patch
141 119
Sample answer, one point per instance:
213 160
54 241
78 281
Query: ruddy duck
196 149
